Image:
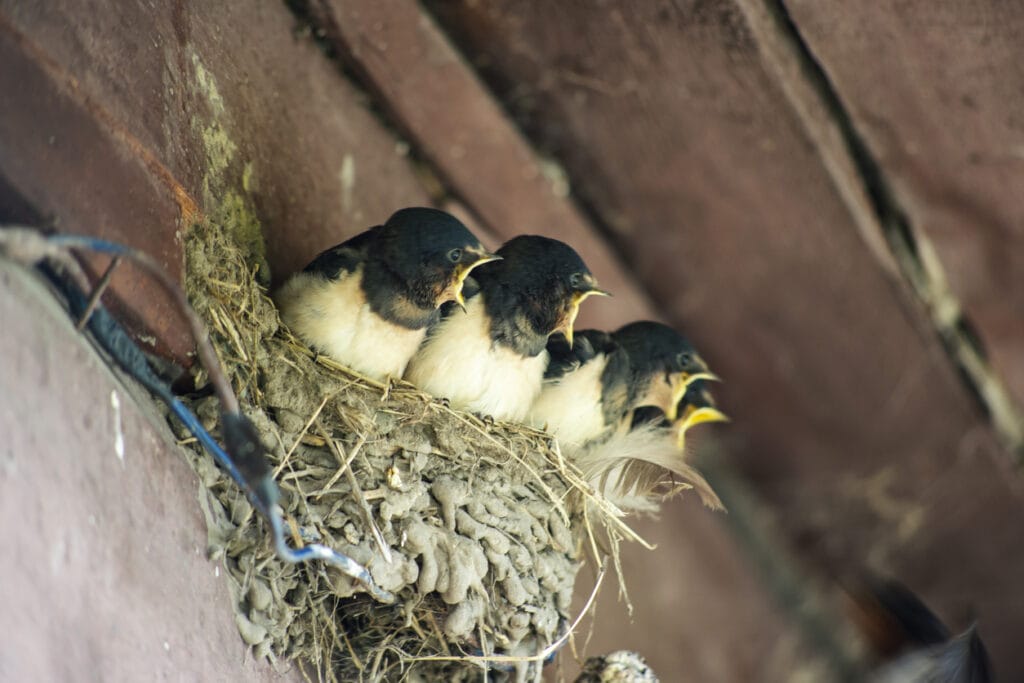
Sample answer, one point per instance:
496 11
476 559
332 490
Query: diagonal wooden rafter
885 226
438 100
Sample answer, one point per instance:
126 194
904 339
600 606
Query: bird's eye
455 255
576 280
684 358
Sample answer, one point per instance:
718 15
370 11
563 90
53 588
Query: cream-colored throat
460 362
334 317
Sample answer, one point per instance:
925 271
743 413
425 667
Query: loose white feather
629 468
458 361
334 317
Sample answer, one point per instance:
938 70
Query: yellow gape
454 291
574 310
680 382
692 417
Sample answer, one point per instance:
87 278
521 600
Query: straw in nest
478 527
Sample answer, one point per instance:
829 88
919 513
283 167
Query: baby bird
591 391
696 407
490 357
662 364
367 302
610 410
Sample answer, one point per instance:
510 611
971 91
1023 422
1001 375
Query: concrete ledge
103 574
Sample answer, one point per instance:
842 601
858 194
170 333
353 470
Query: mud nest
479 528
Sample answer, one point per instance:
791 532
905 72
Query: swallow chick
643 450
367 302
585 394
696 407
663 364
490 357
591 390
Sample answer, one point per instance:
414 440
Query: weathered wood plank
205 108
701 612
61 157
934 88
439 101
220 107
850 417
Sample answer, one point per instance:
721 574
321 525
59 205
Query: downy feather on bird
631 469
585 394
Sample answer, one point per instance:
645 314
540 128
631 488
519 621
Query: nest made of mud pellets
484 523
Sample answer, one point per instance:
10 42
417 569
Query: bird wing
586 345
341 258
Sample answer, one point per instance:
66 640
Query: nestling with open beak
490 358
592 389
631 457
663 364
696 407
367 302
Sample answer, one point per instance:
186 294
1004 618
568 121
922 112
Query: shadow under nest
478 527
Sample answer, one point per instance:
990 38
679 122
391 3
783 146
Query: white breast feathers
458 361
334 317
570 406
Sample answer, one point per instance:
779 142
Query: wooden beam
436 98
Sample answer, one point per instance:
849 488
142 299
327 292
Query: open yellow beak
679 384
574 310
707 376
695 417
462 272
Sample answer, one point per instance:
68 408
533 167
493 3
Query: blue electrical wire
251 471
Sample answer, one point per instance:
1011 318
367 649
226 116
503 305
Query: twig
298 439
346 464
356 489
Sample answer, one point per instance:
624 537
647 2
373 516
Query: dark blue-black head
537 286
663 365
429 252
911 640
